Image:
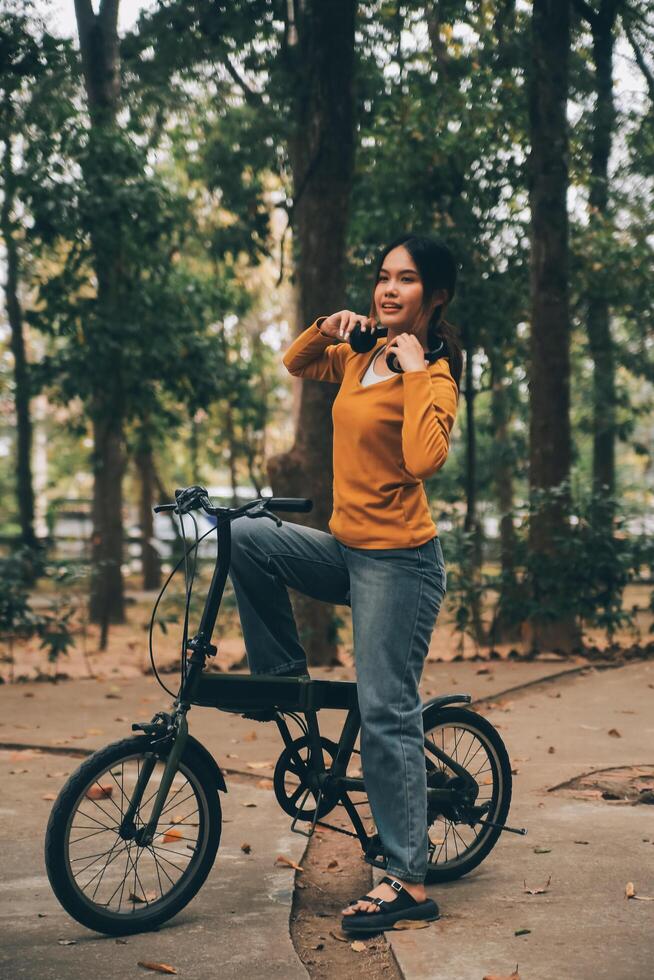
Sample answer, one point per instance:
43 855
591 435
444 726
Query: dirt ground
127 654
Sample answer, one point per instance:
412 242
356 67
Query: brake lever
261 511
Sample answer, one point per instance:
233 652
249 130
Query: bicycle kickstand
310 831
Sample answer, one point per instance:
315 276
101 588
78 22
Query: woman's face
398 292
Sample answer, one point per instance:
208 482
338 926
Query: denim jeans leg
265 559
396 596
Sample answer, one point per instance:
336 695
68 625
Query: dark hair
437 268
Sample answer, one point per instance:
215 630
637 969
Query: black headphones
363 341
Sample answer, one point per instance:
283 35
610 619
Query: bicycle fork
179 725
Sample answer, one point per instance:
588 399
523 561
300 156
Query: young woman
383 556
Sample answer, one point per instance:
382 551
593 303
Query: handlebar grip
298 505
161 507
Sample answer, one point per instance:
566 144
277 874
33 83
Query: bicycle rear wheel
99 872
456 847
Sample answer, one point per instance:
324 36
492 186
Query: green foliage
583 574
52 625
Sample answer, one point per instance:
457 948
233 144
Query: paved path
237 926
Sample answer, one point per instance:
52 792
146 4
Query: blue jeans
395 595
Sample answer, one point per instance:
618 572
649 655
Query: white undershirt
370 378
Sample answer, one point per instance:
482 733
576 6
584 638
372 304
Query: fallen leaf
94 731
551 750
248 804
173 833
522 932
67 942
48 796
282 859
629 890
513 976
537 891
177 818
141 899
483 670
514 772
250 737
17 772
246 848
259 765
614 733
99 792
410 924
581 842
358 946
333 864
542 850
157 967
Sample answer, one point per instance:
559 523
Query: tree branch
640 61
586 12
251 97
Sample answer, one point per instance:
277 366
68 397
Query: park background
185 186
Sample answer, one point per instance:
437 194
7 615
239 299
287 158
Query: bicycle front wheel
97 868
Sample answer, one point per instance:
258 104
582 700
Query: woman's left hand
409 352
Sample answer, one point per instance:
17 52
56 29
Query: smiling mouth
391 309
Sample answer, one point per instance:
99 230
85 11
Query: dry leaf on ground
358 946
259 765
99 792
250 737
630 892
538 891
615 733
542 850
246 848
48 796
282 859
157 967
248 804
411 924
173 833
496 976
67 942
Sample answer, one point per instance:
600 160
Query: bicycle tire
438 719
75 794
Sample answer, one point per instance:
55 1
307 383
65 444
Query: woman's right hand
340 325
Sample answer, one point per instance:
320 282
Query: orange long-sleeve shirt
388 437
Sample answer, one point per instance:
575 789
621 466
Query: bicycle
135 829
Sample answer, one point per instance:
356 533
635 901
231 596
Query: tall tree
602 23
318 54
98 38
549 364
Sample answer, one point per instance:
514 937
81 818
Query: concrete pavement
238 925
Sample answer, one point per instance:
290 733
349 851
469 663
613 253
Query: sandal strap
403 895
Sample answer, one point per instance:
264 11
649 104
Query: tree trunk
24 485
98 37
502 630
599 330
471 524
107 600
151 565
320 57
549 368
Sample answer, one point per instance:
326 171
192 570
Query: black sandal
404 906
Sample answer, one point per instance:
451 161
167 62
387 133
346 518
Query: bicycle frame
291 694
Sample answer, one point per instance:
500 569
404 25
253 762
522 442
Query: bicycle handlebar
197 498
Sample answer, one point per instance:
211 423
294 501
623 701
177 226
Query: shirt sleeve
430 403
314 355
